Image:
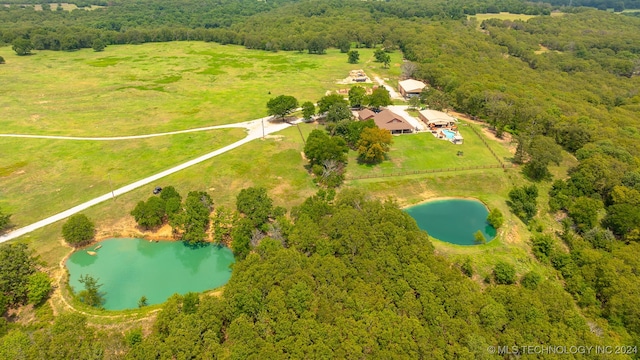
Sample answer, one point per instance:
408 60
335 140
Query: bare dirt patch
127 227
543 49
274 137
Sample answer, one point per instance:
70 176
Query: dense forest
354 277
349 278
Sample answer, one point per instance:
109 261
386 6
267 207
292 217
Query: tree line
348 276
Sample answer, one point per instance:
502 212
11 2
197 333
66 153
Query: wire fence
428 171
487 145
431 171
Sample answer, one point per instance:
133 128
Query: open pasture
132 90
157 87
41 177
501 16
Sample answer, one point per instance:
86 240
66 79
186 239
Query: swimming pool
449 134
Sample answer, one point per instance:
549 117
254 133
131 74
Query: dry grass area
54 6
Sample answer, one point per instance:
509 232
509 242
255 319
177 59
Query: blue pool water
449 134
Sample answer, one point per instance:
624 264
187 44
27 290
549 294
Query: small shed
410 87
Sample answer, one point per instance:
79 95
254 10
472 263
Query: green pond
131 268
453 220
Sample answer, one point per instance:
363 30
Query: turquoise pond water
131 268
453 220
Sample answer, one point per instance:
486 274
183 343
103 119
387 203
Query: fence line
429 171
487 145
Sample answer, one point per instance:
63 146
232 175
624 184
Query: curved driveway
255 131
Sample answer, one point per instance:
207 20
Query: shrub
495 218
531 280
504 274
522 201
38 287
78 230
542 246
479 237
467 267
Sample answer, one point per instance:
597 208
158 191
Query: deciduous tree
282 105
16 265
151 213
354 56
320 147
308 110
357 96
339 111
373 145
542 151
78 230
504 274
38 287
98 45
325 103
91 294
4 221
495 218
584 212
22 46
255 204
317 45
379 97
195 220
523 202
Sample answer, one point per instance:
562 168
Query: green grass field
40 177
156 87
501 16
423 151
138 89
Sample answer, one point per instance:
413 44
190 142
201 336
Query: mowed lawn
423 151
156 87
40 177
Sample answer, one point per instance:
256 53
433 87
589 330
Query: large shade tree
379 97
373 144
321 147
282 105
357 96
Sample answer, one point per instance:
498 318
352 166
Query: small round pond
132 268
453 220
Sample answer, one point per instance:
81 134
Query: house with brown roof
365 114
388 120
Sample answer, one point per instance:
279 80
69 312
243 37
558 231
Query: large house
434 118
410 87
388 120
